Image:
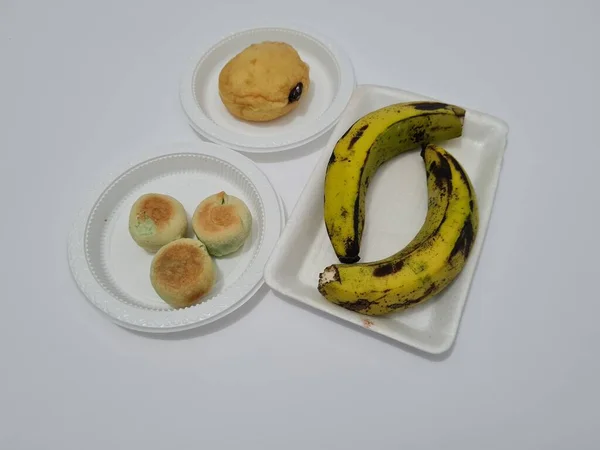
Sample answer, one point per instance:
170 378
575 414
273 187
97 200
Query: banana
433 259
372 140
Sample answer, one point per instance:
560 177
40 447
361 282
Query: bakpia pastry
222 222
156 220
182 272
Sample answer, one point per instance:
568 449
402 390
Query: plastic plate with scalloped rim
331 85
114 273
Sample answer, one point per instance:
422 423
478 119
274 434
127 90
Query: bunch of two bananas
439 251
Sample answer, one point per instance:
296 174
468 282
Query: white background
88 86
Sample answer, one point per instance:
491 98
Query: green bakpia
155 220
182 272
222 222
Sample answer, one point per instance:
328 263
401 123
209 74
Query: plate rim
77 258
206 127
353 319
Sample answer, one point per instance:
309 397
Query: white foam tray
395 210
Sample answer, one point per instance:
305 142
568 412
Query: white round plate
331 86
114 273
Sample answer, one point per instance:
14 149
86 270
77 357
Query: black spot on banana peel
418 135
464 243
357 135
410 302
331 159
388 268
429 263
371 141
349 129
432 106
441 171
359 305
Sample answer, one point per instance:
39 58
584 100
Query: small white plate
332 84
395 210
114 273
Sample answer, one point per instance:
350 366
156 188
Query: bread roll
264 81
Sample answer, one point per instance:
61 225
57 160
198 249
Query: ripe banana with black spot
371 141
429 262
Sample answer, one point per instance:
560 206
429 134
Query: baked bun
222 222
156 220
263 82
182 272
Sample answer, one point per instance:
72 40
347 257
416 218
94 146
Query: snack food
429 263
372 140
222 222
156 220
263 82
182 272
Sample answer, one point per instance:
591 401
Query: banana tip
329 275
349 259
460 112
